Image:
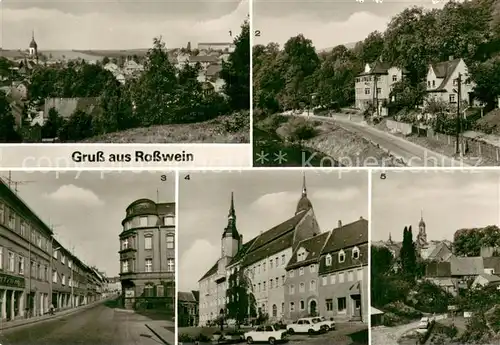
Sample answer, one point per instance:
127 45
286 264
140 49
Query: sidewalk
21 322
159 328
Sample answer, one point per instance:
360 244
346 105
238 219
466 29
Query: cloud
56 29
71 193
195 262
353 29
336 194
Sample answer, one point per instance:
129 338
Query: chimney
241 240
361 218
340 224
450 57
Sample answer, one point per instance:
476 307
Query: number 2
257 33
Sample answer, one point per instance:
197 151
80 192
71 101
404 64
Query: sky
263 199
327 23
86 208
118 24
448 200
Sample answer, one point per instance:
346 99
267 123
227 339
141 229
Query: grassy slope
212 131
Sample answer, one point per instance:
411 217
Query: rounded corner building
147 256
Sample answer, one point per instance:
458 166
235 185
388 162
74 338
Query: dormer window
341 256
301 255
328 260
355 253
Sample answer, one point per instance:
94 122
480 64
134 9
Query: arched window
275 310
302 305
341 256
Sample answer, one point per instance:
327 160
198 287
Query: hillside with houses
438 93
47 97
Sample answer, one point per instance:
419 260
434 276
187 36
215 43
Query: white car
424 323
305 325
266 334
326 324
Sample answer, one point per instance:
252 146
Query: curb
52 317
157 335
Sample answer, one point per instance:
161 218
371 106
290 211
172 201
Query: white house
442 81
375 84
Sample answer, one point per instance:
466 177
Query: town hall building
264 259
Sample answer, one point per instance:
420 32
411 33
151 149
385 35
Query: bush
400 309
238 122
298 129
185 338
271 123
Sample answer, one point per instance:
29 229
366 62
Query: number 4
187 177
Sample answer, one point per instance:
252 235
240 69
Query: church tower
304 202
230 237
33 48
422 235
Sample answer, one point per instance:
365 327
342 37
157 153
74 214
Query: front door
356 299
8 304
312 308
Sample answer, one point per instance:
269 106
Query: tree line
297 77
160 95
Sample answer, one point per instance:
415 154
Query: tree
53 125
371 48
382 263
408 255
78 127
241 301
236 71
155 94
8 133
486 75
468 242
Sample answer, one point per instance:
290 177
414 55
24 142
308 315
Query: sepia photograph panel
125 71
87 258
273 256
370 83
435 258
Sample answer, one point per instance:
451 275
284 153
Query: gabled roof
444 70
313 246
210 272
267 243
212 70
491 278
203 58
466 266
346 236
379 67
187 296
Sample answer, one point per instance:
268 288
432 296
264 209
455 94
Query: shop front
12 296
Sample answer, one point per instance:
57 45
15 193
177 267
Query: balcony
127 250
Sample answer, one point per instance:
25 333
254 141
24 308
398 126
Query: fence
471 146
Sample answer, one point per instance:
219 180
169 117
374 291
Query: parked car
325 323
424 323
266 334
305 325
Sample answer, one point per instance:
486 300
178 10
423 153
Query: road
98 325
389 335
413 155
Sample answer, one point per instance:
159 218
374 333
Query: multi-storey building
263 258
374 85
28 255
343 273
147 255
301 292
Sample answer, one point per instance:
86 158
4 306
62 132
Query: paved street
346 334
99 325
389 335
412 154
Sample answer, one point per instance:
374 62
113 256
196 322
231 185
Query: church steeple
304 203
33 47
231 239
230 230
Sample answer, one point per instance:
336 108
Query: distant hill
347 45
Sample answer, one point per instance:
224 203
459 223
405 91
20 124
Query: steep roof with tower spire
230 229
304 203
33 42
421 223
